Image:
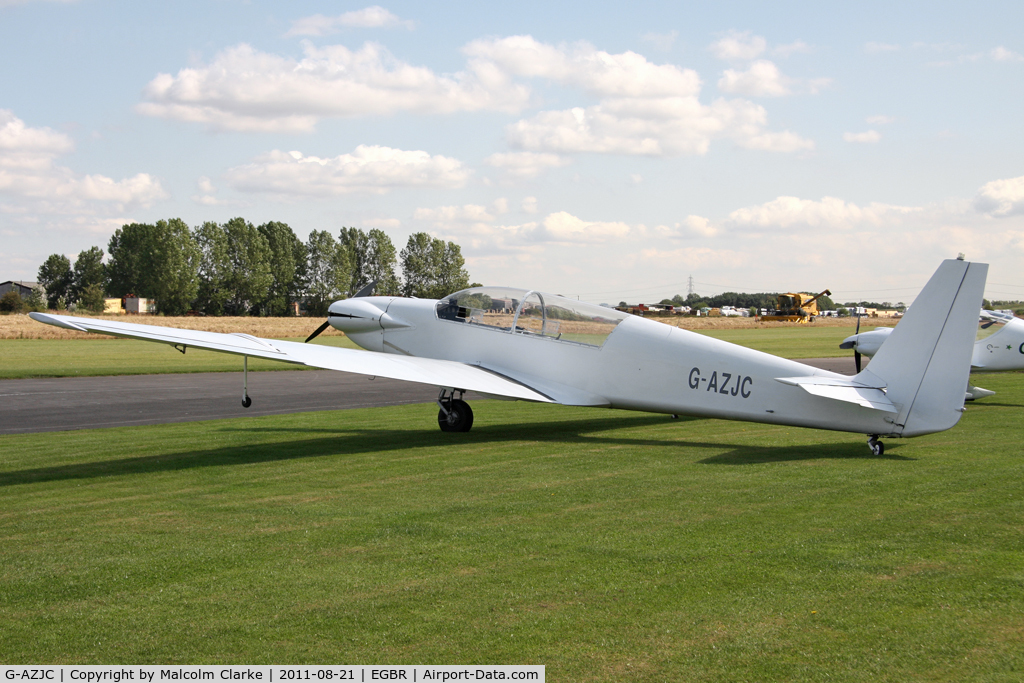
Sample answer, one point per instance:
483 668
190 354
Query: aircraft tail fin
926 361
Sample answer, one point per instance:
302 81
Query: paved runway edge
69 403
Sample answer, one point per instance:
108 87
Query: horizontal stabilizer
846 390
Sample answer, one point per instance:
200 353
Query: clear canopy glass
532 313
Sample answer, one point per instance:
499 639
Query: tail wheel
457 418
876 446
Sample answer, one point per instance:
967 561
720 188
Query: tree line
236 268
737 300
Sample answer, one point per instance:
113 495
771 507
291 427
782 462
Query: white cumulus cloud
761 79
627 74
697 225
369 169
1001 54
738 46
564 227
29 172
652 127
829 212
645 109
244 89
369 17
1001 197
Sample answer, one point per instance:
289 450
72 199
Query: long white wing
440 373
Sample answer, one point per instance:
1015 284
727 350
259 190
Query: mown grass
791 341
25 358
606 545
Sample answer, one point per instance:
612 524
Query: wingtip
56 321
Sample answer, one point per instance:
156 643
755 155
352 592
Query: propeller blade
318 331
858 324
856 360
366 290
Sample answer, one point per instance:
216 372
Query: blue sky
603 150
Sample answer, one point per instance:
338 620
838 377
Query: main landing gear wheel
454 415
876 446
246 402
459 416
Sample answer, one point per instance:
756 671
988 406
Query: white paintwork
915 387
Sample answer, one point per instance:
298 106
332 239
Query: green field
24 358
605 545
790 341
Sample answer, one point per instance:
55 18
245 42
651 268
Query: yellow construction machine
796 308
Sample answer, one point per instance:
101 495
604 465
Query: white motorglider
999 347
527 345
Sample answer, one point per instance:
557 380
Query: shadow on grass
756 455
356 441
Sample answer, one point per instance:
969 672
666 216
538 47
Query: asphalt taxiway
66 403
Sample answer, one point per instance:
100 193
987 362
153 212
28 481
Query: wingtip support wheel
876 446
246 402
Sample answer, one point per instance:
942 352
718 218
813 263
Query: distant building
22 287
113 305
134 305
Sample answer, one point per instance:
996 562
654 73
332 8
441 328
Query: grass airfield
605 545
97 355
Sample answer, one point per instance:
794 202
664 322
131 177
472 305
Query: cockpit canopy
531 312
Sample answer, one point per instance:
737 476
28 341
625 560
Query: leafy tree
174 268
36 300
285 251
329 271
56 278
11 302
88 271
418 265
127 271
374 259
249 276
214 265
380 262
91 298
157 261
355 241
452 274
432 268
234 268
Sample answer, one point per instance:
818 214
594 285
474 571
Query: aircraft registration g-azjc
549 349
999 348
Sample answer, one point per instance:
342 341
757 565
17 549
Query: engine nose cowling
867 343
365 314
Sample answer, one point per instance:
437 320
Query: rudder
926 361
